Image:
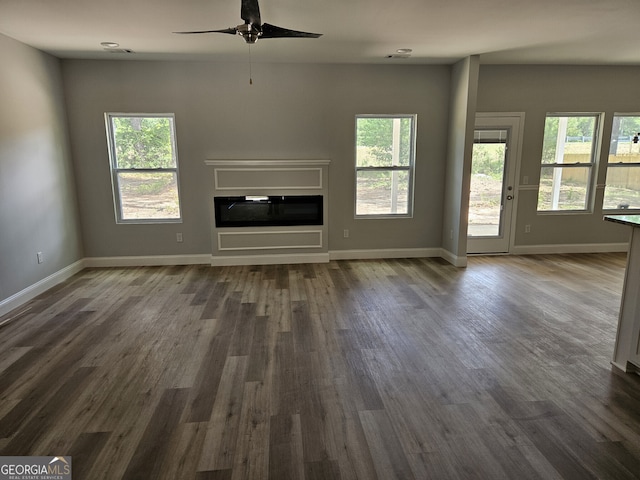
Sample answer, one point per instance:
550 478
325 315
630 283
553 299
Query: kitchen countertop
631 220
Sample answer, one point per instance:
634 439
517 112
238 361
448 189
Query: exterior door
491 200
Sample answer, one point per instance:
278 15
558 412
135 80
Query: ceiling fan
252 29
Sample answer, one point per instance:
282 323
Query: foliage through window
144 167
622 191
385 152
568 160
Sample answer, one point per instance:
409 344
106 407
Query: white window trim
409 168
117 201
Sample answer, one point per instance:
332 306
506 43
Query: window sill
563 212
621 211
149 221
382 217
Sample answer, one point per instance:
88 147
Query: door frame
514 123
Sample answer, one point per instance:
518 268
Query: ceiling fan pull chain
250 75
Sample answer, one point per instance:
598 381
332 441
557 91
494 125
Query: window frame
592 165
115 170
410 168
618 164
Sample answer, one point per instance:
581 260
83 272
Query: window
385 151
568 159
144 167
622 191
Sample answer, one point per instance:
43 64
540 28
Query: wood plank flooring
377 369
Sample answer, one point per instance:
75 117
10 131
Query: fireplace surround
269 211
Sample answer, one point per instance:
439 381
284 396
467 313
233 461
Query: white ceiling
355 31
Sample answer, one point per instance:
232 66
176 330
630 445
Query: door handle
509 197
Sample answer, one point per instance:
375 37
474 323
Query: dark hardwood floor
391 369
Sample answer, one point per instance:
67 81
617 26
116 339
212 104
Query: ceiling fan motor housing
249 32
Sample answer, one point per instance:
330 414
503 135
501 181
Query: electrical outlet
527 229
179 237
40 257
346 233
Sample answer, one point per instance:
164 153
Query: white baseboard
399 253
454 260
276 259
148 261
570 248
385 253
32 291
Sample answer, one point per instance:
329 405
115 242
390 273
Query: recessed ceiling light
404 50
110 44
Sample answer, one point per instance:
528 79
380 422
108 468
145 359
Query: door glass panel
487 183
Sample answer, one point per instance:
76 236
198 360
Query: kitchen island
626 354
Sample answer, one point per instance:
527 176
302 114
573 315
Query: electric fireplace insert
276 210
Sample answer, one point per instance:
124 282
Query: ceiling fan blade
250 12
272 31
232 31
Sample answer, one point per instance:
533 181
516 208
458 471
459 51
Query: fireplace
268 211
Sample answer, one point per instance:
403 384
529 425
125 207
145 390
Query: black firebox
276 210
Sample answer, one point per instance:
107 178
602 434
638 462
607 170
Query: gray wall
37 195
290 111
537 90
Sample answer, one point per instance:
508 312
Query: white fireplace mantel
265 162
